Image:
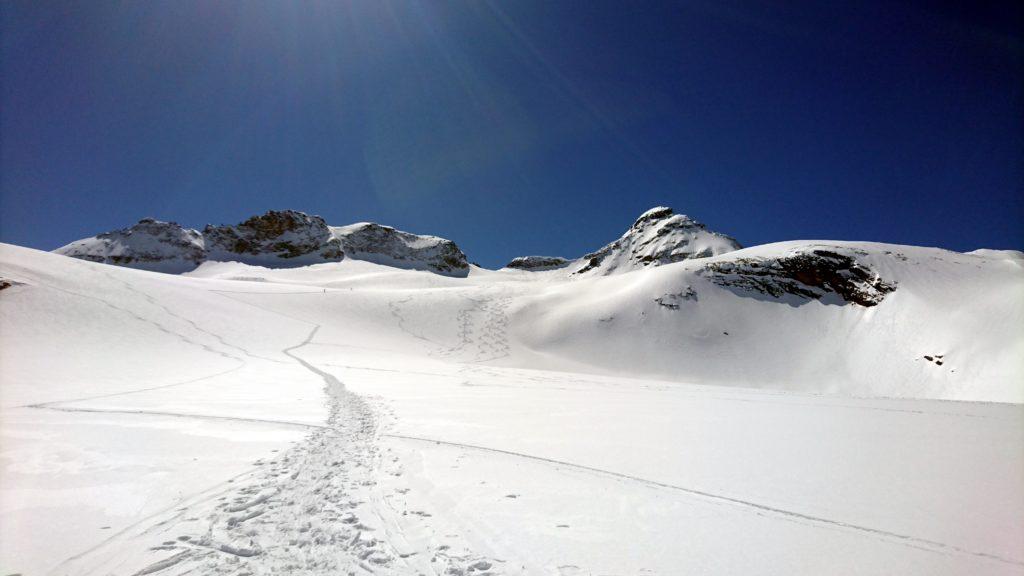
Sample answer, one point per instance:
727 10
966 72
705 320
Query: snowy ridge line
904 539
179 415
112 394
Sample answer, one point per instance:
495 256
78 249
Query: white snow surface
356 418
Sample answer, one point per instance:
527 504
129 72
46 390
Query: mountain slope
354 417
275 239
658 236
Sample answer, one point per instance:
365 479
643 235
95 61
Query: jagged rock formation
385 245
808 273
657 237
276 239
149 245
275 235
537 263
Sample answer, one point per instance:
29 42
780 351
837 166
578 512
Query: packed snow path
315 509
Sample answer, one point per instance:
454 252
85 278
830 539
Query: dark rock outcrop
286 235
285 238
537 263
808 274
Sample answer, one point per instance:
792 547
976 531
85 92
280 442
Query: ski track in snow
50 406
314 510
152 301
919 543
135 391
307 510
319 508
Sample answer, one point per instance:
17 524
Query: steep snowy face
385 245
275 236
537 263
657 237
148 245
807 273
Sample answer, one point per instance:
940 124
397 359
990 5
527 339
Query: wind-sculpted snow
657 237
807 273
148 245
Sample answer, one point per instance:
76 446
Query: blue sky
517 127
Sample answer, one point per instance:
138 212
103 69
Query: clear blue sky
517 127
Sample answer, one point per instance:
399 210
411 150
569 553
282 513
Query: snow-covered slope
276 239
803 407
657 237
900 321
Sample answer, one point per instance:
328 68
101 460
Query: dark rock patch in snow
537 263
673 301
6 283
809 274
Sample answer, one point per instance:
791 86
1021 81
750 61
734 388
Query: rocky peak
653 215
275 239
149 245
287 234
658 236
385 245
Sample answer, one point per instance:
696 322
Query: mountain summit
659 236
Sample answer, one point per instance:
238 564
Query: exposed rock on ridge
149 245
657 237
385 245
275 235
276 239
809 274
537 263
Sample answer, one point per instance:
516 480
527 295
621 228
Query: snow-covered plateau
299 398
